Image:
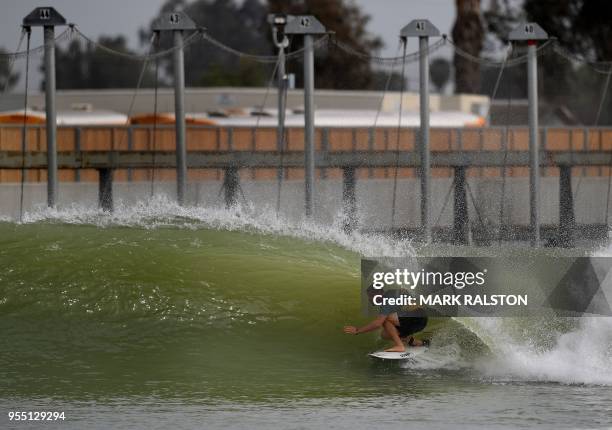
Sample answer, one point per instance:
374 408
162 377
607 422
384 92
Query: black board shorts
411 325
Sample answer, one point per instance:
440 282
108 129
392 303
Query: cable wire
397 145
281 171
258 120
498 81
12 56
446 200
467 185
262 58
502 200
601 103
372 129
413 56
484 62
154 143
595 124
146 59
11 61
262 108
281 158
387 85
563 52
192 38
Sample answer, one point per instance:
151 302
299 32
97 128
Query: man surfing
398 324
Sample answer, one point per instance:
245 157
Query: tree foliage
439 71
243 27
338 70
81 65
468 35
8 79
583 28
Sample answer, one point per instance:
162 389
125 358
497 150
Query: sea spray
580 356
160 211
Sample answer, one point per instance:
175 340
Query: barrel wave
167 301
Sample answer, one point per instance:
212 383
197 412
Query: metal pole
309 150
534 171
531 32
49 41
424 138
307 26
282 87
281 96
177 22
179 112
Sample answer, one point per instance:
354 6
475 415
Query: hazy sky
97 17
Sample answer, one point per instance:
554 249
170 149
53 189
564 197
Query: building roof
71 117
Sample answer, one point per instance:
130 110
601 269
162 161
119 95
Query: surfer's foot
396 348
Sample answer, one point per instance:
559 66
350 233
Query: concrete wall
374 199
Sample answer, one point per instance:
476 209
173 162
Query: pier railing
231 154
482 150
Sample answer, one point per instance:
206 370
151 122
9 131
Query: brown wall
264 139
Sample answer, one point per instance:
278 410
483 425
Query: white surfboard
410 354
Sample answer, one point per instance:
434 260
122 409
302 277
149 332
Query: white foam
581 356
437 357
160 211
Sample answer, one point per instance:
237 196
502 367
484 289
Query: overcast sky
110 17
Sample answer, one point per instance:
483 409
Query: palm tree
468 35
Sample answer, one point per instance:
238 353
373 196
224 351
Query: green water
197 328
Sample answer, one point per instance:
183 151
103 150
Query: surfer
398 324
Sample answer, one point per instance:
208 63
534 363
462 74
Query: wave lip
160 211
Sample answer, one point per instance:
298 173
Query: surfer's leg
391 331
395 320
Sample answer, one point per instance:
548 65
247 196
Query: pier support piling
231 182
105 189
567 220
460 208
349 201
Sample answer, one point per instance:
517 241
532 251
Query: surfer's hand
349 329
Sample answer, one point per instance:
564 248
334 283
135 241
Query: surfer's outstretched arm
375 324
